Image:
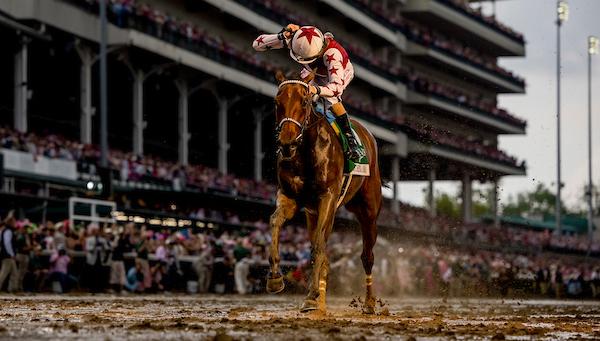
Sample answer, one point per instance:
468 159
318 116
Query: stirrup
352 153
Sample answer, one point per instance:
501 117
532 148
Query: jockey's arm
266 42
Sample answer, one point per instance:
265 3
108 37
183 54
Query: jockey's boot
352 153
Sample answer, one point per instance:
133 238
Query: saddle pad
360 168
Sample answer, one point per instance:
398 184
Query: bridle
307 105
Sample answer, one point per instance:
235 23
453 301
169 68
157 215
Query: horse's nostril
288 150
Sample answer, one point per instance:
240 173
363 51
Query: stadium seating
184 34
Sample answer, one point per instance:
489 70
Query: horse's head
293 105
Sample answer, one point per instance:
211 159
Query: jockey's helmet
307 44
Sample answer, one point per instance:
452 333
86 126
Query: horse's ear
279 76
309 77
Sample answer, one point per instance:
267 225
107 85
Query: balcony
500 80
499 122
468 26
430 141
268 20
424 42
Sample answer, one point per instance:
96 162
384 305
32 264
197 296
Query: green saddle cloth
349 165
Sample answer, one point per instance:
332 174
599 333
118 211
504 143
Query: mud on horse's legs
286 208
318 281
369 307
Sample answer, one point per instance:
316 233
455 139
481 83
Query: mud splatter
277 317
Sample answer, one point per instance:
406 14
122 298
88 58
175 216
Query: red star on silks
309 33
333 71
259 40
335 93
330 57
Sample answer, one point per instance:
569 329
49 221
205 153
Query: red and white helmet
307 44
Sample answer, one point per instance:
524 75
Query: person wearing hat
321 54
8 253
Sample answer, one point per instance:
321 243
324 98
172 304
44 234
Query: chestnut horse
310 171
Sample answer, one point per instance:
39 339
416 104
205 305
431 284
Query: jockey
319 53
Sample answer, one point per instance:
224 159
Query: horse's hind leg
366 211
369 234
285 210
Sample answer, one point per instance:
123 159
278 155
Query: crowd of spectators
143 17
128 13
433 38
394 19
447 271
414 80
117 258
134 168
120 259
421 84
412 29
464 6
444 138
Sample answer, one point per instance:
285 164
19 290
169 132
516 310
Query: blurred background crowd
470 261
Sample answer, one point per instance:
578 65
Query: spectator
203 268
242 270
121 246
135 278
59 263
23 248
97 251
8 253
141 248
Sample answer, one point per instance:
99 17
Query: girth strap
345 186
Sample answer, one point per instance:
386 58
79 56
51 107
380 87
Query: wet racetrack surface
175 317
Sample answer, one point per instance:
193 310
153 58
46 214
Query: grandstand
190 98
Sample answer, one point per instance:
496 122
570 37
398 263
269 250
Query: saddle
360 168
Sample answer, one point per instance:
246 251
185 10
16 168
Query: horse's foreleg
285 210
311 225
318 281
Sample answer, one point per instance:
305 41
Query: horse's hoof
309 305
275 285
368 309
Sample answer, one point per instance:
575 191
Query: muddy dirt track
175 317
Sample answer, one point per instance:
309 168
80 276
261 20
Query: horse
310 172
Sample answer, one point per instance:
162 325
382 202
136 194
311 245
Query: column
430 194
494 203
395 180
182 122
223 145
21 92
258 153
138 112
467 198
85 95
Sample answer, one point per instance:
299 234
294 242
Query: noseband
289 119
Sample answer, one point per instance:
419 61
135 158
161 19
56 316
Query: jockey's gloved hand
289 30
315 91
